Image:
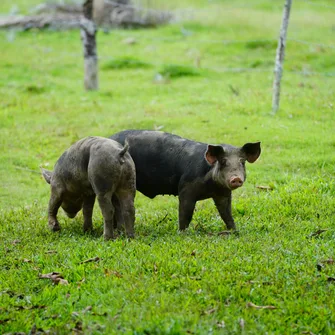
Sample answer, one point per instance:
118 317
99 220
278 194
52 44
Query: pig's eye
223 162
242 161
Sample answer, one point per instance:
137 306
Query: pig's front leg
54 204
87 212
186 209
107 209
223 204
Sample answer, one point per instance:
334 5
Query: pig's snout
235 182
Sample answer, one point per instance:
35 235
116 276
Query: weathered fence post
280 56
88 31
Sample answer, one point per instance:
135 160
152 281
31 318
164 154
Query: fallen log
107 14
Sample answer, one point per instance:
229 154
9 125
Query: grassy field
207 77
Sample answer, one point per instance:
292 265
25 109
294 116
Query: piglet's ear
252 150
213 153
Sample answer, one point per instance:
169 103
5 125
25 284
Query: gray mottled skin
169 164
94 167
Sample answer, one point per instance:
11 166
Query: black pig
169 164
94 167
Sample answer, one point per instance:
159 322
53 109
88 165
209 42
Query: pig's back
163 161
72 167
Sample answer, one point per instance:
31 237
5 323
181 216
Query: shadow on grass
177 71
125 63
148 228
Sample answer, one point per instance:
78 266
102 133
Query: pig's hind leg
127 210
107 209
104 190
103 175
118 215
186 209
87 212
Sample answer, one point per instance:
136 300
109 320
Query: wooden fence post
280 56
88 32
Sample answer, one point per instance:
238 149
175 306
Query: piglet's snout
235 182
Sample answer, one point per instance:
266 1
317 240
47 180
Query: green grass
163 281
125 63
177 71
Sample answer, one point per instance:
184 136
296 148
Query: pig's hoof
55 227
236 232
88 229
108 237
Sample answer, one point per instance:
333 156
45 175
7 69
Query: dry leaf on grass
226 232
19 308
87 309
117 274
115 316
80 282
112 272
78 328
48 275
250 304
94 259
317 233
129 40
55 277
327 261
242 323
195 278
5 320
220 324
51 252
210 311
260 282
264 187
100 314
34 330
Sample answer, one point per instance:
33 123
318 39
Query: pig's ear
252 151
46 175
213 153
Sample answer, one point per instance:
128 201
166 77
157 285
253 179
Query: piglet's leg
126 199
87 212
54 204
107 209
186 209
118 215
223 204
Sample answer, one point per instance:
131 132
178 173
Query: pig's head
70 204
228 162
